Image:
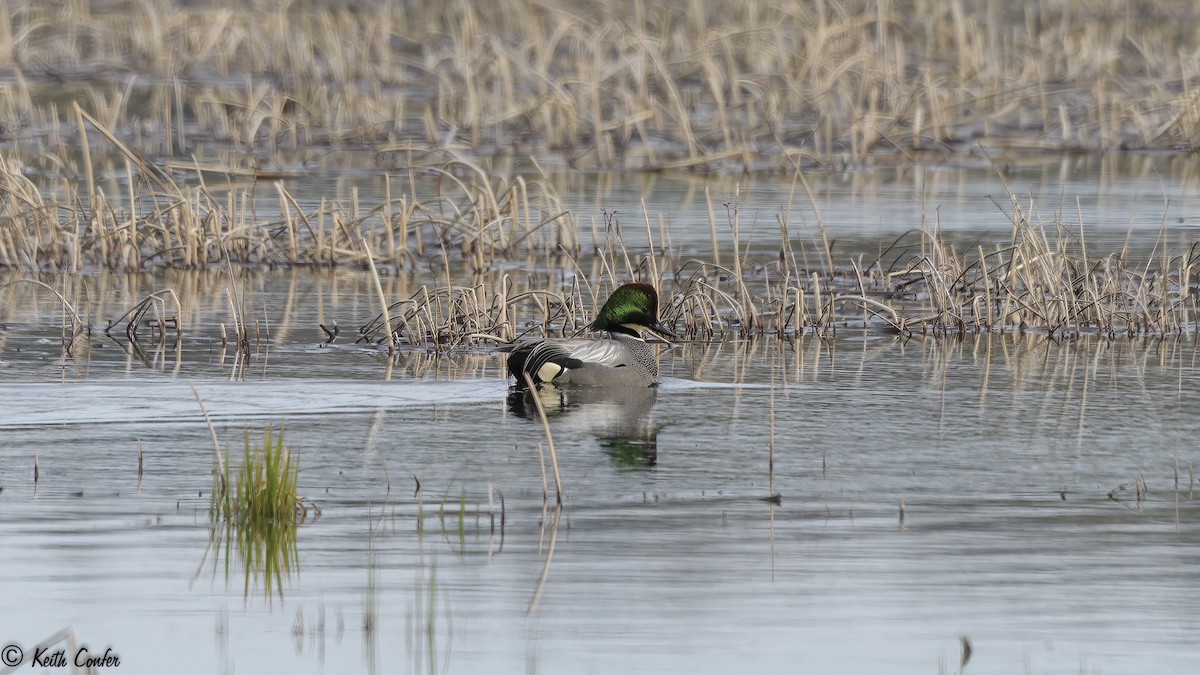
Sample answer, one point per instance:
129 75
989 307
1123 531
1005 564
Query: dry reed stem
537 402
218 455
739 86
387 319
77 325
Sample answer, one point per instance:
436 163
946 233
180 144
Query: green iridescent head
631 309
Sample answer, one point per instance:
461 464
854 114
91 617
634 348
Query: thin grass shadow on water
429 625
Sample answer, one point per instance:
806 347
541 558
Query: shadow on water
619 419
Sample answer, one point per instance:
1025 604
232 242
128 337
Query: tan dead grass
488 259
617 83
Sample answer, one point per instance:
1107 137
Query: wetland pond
1031 497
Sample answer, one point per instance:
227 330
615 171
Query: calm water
1019 465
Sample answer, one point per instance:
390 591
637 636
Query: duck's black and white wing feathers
564 361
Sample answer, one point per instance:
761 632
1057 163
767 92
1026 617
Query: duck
626 358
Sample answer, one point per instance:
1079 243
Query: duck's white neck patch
636 328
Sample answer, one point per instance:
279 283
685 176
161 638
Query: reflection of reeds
541 410
428 616
549 557
76 324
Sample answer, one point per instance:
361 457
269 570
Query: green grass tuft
258 510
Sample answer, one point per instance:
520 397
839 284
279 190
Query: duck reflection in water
619 417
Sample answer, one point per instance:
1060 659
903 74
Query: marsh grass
1046 281
264 488
1046 278
610 84
256 511
160 133
474 223
499 259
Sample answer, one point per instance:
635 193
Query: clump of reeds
1046 278
531 275
264 491
1047 281
257 510
472 222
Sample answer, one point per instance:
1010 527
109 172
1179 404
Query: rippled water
1021 530
1036 498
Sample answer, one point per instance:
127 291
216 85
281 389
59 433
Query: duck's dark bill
660 332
